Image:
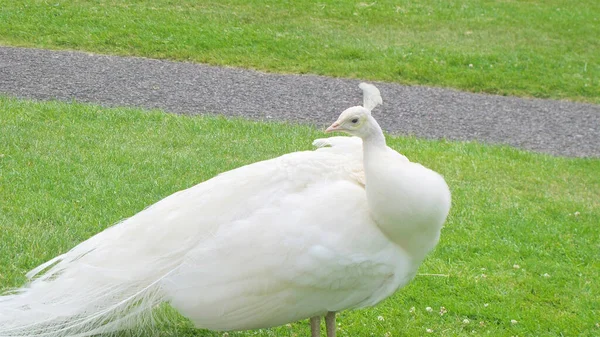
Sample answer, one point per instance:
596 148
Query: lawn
518 256
545 49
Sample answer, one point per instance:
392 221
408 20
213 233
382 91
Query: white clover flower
443 311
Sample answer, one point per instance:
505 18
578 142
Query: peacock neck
374 147
374 138
390 190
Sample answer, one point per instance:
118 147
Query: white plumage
269 243
371 96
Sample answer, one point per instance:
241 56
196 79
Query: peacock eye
355 120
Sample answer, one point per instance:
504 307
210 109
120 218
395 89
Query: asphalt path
550 126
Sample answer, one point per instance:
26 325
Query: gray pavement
555 127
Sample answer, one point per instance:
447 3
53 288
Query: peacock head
355 121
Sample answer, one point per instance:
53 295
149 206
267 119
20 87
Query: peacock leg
330 323
315 326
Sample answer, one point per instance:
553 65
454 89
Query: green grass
529 48
67 171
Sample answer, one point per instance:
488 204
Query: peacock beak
334 127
